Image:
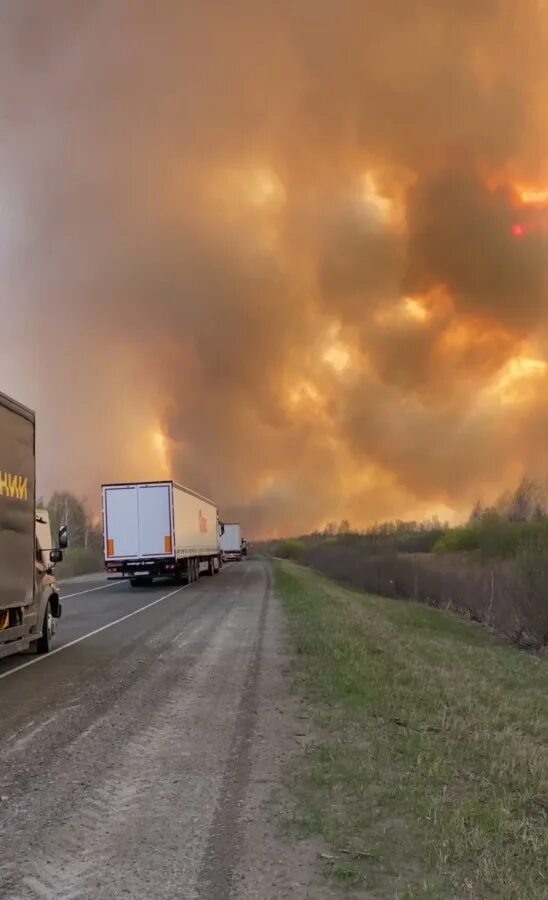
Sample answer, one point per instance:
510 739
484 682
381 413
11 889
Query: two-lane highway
126 754
94 603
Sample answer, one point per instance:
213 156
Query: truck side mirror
63 537
222 528
55 556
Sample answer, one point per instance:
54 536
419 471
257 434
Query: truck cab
46 584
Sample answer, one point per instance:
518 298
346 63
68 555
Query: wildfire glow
518 377
337 356
533 196
415 309
161 448
518 230
264 187
257 187
408 308
372 197
306 398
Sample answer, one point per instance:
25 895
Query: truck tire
43 644
210 566
216 565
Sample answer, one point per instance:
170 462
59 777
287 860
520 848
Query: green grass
428 771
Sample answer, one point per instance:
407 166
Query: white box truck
159 529
29 597
231 541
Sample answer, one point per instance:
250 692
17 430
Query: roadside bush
79 561
510 596
494 537
499 537
532 590
419 541
458 540
289 549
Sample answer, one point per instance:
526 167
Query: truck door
155 520
121 522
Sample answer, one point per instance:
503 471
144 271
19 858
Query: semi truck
29 596
159 529
231 541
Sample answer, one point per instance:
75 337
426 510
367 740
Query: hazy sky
293 254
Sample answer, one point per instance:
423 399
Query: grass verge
428 776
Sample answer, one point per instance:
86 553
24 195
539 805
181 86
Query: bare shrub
288 549
509 596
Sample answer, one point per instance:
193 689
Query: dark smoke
281 234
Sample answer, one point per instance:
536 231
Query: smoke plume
293 254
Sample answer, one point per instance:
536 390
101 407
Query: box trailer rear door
121 514
231 539
155 520
138 520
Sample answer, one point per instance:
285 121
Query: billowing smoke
292 254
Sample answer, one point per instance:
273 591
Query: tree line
85 552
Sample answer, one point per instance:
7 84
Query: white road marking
101 587
38 659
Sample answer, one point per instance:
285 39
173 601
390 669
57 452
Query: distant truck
29 596
231 541
159 529
244 547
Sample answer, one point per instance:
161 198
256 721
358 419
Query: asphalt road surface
134 759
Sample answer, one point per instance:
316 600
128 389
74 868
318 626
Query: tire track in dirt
225 840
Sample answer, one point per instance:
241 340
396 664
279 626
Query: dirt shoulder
277 862
427 770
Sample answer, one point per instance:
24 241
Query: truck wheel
197 569
189 574
43 644
216 565
210 567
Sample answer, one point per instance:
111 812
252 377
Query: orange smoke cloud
294 255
